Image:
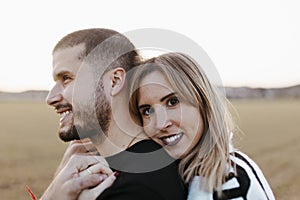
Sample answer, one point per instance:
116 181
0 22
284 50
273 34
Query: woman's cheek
148 130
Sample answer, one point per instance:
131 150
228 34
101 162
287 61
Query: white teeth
172 140
63 115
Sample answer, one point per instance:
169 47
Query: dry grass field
30 149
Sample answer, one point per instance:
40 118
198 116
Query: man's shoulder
144 156
164 183
144 146
148 172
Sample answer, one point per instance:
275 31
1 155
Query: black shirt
146 172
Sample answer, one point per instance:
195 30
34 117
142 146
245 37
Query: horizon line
225 86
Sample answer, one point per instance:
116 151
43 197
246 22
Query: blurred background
254 45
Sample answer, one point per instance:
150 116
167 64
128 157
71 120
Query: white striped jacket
249 184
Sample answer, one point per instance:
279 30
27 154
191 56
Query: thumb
109 181
96 191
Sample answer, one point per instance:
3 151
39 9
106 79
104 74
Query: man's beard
86 118
69 135
103 108
67 131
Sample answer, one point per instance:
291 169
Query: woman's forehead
155 78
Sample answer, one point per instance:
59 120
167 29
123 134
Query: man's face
66 63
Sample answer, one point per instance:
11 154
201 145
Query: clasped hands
81 174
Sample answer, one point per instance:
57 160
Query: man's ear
118 77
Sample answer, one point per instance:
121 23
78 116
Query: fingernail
116 173
102 177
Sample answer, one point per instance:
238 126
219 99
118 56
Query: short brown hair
93 37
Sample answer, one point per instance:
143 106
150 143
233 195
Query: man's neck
116 140
123 132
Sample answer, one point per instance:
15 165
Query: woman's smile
167 118
171 139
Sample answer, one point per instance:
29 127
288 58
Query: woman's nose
163 121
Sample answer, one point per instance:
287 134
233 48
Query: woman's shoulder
250 177
248 182
247 165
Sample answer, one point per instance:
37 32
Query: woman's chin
174 153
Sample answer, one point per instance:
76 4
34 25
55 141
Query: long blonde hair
210 158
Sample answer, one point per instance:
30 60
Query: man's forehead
69 53
66 59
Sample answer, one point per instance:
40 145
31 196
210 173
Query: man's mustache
65 105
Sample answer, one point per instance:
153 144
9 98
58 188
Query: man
101 59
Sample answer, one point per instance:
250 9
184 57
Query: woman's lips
172 139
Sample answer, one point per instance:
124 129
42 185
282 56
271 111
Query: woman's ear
118 80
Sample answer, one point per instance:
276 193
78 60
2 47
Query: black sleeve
131 192
163 184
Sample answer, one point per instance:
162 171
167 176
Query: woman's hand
96 191
78 171
84 146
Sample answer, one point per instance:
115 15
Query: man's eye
66 77
173 101
147 111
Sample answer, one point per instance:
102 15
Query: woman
181 110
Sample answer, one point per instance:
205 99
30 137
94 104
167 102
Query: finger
90 153
82 162
103 160
101 168
75 147
98 168
85 140
81 140
96 191
80 147
107 182
74 186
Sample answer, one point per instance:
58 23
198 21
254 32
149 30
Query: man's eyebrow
167 96
61 73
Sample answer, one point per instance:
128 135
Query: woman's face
167 119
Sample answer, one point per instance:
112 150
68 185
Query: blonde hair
210 158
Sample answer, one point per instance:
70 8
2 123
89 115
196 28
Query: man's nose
163 121
54 96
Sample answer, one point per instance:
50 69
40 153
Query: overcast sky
252 43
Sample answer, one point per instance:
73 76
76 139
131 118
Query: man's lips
171 140
63 111
60 108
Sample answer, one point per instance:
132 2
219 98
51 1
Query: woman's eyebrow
143 106
167 96
161 100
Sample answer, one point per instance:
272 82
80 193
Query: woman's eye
147 111
172 101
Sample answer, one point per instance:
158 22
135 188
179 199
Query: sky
252 43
